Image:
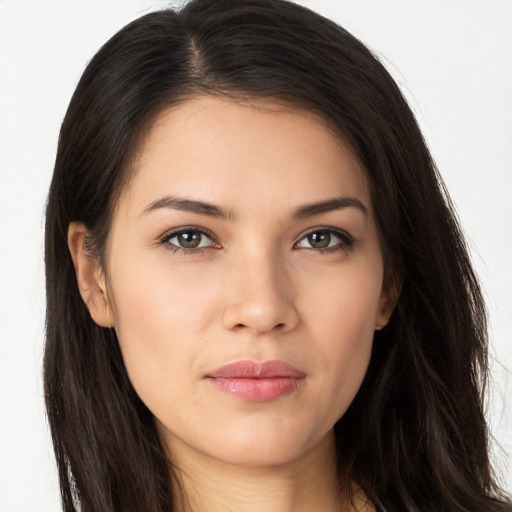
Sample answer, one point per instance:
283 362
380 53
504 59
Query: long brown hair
415 436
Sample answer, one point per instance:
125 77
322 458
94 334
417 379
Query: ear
90 277
391 289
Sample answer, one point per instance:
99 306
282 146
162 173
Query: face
245 278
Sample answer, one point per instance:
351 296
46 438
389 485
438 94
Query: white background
453 59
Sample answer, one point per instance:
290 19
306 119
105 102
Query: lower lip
257 390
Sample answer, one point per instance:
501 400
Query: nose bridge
259 291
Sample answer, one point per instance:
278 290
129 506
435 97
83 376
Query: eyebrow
211 210
336 203
189 205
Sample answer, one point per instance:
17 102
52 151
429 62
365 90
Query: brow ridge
211 210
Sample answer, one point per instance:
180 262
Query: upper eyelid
337 231
176 231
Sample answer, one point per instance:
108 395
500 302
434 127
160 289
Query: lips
256 381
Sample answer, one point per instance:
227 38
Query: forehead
227 152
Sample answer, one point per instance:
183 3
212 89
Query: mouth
256 381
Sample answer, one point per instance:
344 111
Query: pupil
319 240
189 239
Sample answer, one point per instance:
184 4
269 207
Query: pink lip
257 381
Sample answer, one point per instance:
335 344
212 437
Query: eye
188 239
326 239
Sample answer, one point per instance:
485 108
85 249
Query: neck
305 485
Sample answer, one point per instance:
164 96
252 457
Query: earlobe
387 302
90 277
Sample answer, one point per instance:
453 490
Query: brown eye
326 239
188 239
319 239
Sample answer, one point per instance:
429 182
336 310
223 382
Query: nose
259 294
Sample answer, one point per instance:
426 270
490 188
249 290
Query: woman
258 295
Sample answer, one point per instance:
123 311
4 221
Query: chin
252 444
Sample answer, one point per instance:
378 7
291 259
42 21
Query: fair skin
245 236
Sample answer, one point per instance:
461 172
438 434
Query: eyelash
346 244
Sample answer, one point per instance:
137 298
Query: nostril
279 326
260 316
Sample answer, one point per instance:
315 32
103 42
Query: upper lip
248 369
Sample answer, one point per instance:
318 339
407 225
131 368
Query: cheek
157 301
343 323
346 304
161 317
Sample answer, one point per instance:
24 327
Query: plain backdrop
453 60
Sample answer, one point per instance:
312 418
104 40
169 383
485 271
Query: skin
257 289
